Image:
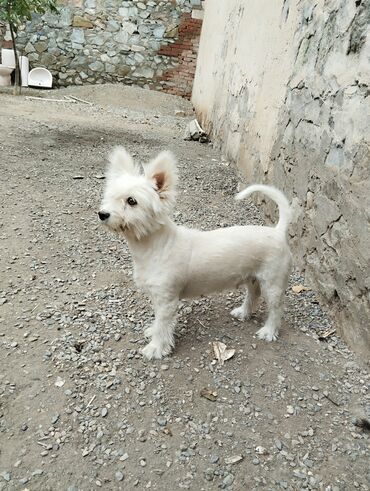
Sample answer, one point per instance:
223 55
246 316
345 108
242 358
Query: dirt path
79 407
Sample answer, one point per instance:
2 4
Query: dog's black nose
103 215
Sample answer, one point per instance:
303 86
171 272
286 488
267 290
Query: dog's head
138 199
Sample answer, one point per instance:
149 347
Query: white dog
173 262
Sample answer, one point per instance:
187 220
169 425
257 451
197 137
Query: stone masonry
287 99
147 43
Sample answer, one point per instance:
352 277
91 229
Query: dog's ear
162 170
121 162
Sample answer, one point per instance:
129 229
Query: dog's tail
285 212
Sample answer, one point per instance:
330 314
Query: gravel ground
80 409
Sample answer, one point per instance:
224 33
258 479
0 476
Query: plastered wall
283 88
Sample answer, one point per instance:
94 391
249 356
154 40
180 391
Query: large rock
96 66
79 21
41 46
78 36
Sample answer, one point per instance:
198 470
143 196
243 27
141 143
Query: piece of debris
78 177
99 176
329 398
363 424
181 113
59 382
221 352
195 132
209 394
91 401
261 450
77 99
44 99
325 335
167 431
299 288
234 459
78 346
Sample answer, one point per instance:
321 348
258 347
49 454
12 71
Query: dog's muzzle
103 215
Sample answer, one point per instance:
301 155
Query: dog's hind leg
162 330
274 296
249 304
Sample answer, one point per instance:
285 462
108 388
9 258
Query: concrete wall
283 86
147 43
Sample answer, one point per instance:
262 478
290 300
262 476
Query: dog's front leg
162 330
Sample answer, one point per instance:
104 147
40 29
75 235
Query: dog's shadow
209 318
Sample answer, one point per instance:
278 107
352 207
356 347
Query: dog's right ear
121 162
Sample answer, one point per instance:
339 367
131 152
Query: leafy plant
17 12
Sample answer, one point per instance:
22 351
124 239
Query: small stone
235 459
6 476
228 480
278 444
162 421
104 412
214 459
59 381
119 476
290 409
261 450
37 472
208 474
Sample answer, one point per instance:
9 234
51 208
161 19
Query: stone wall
287 98
146 43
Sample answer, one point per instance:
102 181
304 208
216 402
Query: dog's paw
148 332
156 351
267 334
240 314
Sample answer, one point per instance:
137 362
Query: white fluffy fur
173 262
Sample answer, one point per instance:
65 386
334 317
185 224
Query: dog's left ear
162 170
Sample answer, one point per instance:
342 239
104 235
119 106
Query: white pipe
24 65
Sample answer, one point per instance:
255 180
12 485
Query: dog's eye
131 201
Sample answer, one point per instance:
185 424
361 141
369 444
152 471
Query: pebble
278 444
228 480
6 476
119 476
